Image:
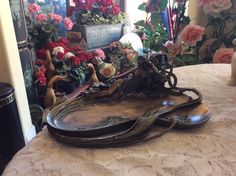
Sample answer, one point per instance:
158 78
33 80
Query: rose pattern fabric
217 6
174 50
223 55
205 51
191 34
205 2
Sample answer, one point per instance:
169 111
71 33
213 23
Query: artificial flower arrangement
219 48
122 56
187 43
43 27
63 60
54 54
95 12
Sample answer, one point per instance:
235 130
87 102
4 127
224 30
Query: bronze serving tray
82 121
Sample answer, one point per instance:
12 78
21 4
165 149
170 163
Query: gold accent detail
7 100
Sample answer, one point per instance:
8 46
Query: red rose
60 55
39 62
102 9
41 54
57 18
41 17
75 49
77 61
70 11
34 8
64 41
115 10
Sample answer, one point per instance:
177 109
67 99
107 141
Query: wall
10 68
133 13
197 16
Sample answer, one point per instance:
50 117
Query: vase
95 36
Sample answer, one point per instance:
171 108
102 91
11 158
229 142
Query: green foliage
183 60
122 56
163 4
153 29
76 73
90 13
142 6
140 23
155 18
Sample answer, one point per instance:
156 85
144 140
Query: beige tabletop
209 150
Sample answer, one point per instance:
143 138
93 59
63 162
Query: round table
209 150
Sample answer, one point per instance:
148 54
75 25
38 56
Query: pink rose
217 6
191 34
41 17
223 55
57 18
168 43
68 23
99 53
205 2
34 8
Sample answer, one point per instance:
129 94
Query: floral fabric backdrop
187 42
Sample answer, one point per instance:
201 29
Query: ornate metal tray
127 111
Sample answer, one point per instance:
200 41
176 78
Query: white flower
68 55
58 49
217 6
42 1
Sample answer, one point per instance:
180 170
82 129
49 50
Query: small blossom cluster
107 7
49 18
40 72
99 11
73 54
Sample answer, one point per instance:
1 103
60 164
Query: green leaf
149 42
159 47
163 5
155 18
65 67
82 77
142 6
187 59
140 23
